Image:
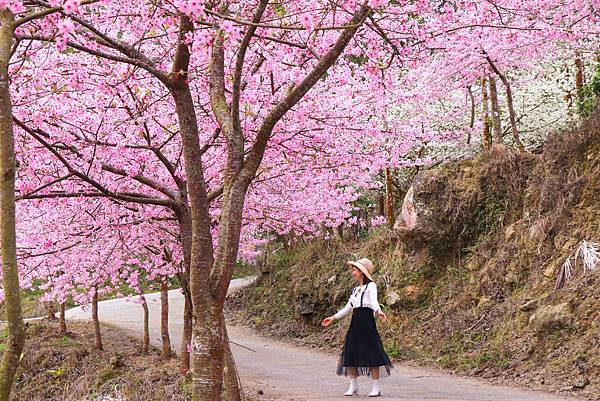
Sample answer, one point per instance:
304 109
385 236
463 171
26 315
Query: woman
363 352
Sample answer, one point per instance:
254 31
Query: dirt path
285 372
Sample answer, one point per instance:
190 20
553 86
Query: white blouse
366 293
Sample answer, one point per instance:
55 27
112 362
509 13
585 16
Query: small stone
483 301
581 382
549 272
116 361
260 392
509 232
529 305
392 298
331 279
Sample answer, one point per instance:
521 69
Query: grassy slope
68 368
512 221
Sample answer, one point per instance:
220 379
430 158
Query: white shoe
353 389
375 391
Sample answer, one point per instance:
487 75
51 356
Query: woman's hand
382 316
327 321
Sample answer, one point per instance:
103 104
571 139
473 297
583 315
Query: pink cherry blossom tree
206 112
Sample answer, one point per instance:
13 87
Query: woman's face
356 274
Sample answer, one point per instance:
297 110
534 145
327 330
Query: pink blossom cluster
401 84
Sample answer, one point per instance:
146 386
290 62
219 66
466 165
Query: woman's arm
341 313
373 298
344 311
375 303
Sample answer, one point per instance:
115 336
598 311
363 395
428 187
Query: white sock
375 388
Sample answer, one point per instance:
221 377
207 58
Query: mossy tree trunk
579 79
510 103
472 119
97 332
390 213
486 135
50 311
10 274
146 338
62 323
496 123
164 321
231 384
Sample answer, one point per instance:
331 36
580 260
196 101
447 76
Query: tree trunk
486 135
10 274
497 124
340 231
207 337
50 311
390 213
185 359
472 120
62 323
380 205
579 79
146 339
509 101
97 333
512 117
164 321
185 229
210 274
231 384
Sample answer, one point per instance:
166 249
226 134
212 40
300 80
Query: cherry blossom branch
136 198
239 65
42 187
49 10
97 53
143 180
351 25
256 153
66 248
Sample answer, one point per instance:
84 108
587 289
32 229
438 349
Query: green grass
243 270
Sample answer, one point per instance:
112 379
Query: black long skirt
363 348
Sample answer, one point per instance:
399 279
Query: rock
392 298
116 361
408 214
483 301
411 292
424 217
559 241
409 296
511 278
331 279
581 382
529 305
509 232
550 271
537 231
472 265
551 318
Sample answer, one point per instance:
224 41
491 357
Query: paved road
285 372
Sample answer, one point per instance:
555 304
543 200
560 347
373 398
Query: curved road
286 372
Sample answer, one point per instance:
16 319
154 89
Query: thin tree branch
135 198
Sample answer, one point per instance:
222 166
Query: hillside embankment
468 274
